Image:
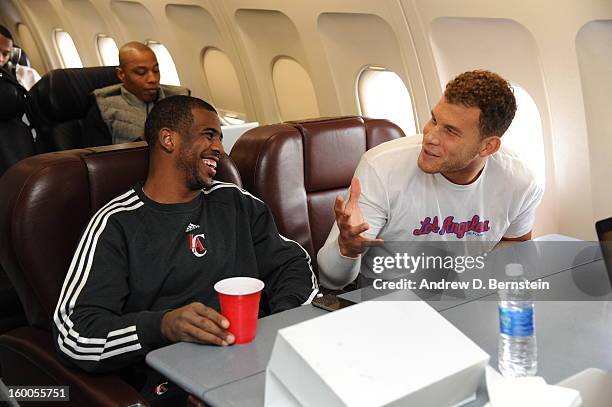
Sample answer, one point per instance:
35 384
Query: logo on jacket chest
196 244
449 226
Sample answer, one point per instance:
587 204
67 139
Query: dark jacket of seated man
143 273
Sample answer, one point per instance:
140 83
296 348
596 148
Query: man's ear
490 145
120 73
167 139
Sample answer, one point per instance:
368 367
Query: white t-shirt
402 203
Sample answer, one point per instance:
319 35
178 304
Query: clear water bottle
517 341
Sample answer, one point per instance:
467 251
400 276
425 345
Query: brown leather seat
298 169
46 202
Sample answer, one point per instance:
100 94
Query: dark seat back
299 168
46 203
16 141
62 98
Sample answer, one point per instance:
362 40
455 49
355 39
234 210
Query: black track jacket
138 259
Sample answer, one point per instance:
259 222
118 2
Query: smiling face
200 149
139 72
451 141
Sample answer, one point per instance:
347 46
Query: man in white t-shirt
458 185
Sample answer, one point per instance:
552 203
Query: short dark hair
5 32
489 92
173 112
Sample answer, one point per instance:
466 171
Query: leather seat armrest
32 350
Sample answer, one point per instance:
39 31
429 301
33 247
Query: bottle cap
514 270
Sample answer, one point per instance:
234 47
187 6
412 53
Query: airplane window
524 136
169 75
108 51
381 94
295 92
224 85
67 50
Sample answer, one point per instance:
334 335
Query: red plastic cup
239 300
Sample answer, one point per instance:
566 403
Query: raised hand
351 223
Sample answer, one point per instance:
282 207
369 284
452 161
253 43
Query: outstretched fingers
355 231
339 208
355 191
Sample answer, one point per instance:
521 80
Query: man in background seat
26 76
119 112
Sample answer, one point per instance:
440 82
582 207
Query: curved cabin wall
136 20
354 40
84 35
594 51
557 50
264 47
44 20
204 46
28 42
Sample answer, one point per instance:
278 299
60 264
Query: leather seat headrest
64 94
24 60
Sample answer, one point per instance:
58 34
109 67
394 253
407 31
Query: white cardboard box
374 354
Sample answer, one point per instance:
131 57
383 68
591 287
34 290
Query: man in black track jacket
143 273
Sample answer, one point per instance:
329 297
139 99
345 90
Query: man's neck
164 192
467 175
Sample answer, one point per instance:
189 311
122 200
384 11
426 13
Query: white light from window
233 119
167 69
67 50
524 136
383 95
108 51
